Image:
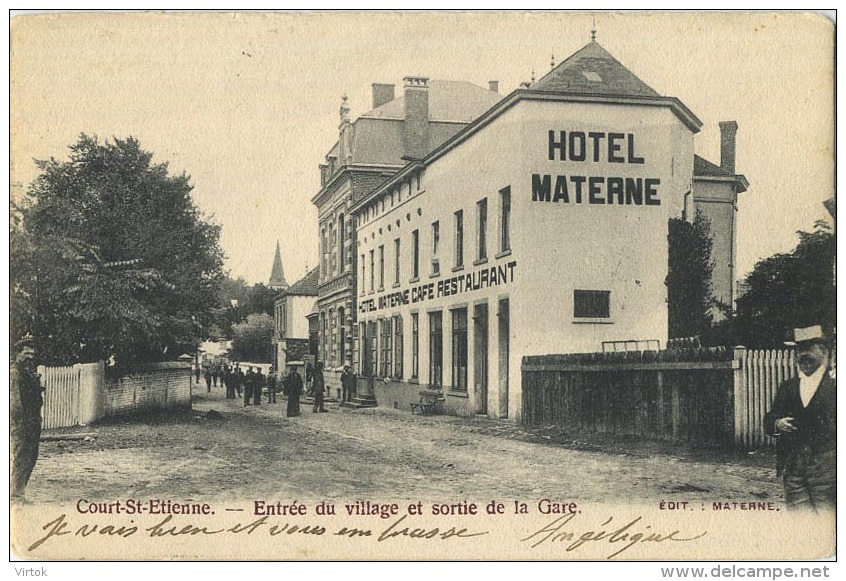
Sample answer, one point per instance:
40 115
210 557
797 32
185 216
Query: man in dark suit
803 418
24 415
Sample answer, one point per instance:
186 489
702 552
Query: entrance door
504 334
480 357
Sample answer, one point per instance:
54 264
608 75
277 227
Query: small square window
591 304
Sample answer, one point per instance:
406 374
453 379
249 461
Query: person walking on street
803 419
208 377
229 382
293 389
215 374
271 386
348 384
239 379
249 381
258 386
24 415
318 388
197 373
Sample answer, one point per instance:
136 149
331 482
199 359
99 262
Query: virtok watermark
31 571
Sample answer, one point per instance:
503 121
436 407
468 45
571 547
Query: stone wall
149 387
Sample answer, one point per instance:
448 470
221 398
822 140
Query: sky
247 103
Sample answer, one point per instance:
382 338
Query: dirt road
377 454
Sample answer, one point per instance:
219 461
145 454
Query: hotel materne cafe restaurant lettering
596 147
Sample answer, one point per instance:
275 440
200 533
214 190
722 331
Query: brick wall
149 387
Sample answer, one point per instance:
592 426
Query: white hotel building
539 228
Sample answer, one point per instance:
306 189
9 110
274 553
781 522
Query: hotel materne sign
476 280
595 147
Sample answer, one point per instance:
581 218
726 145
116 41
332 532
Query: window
459 349
415 344
281 323
342 263
323 346
459 239
342 337
592 304
386 346
331 345
415 254
372 270
381 266
505 219
482 225
398 346
436 349
323 252
396 261
374 352
362 274
436 239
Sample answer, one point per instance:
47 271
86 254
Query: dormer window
592 76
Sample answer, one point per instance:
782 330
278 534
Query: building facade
715 190
370 150
540 227
291 308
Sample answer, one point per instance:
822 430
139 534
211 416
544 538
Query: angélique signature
625 536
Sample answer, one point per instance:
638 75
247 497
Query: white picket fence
71 394
757 376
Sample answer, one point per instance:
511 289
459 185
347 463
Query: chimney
416 123
345 151
493 86
728 133
382 94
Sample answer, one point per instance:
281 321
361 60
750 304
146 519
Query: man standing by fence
24 414
803 419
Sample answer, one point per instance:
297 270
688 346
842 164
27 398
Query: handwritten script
169 527
624 536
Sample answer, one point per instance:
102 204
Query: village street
249 453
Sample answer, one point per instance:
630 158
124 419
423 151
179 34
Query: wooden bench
429 404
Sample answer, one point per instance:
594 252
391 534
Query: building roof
589 75
703 167
306 286
448 101
277 274
377 136
705 170
593 71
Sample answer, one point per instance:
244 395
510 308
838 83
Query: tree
251 340
236 300
787 291
111 258
261 299
688 281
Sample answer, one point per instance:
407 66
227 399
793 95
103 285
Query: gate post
741 429
92 400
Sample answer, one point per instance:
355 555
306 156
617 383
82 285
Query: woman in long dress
293 389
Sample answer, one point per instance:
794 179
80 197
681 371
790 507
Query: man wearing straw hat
803 419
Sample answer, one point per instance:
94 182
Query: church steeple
277 275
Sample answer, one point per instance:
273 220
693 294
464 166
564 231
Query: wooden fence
70 394
708 396
758 374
